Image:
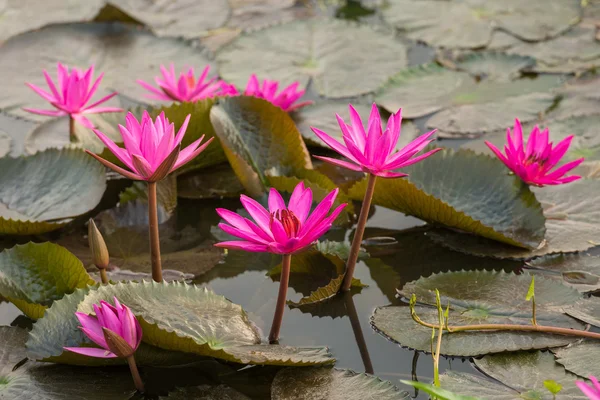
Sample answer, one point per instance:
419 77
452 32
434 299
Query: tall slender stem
358 333
153 228
137 379
103 276
72 135
358 234
280 308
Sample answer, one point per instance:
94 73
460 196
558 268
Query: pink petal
101 110
102 100
243 234
276 202
334 144
52 113
498 154
181 160
559 172
390 174
182 130
301 203
319 213
120 153
413 160
42 93
91 352
341 163
242 245
359 135
257 212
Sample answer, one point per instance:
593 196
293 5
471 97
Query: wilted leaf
324 293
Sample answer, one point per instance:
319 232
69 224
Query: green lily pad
580 271
218 182
491 298
495 66
332 384
435 191
121 52
571 224
324 50
13 349
258 137
580 358
587 311
186 18
5 143
205 392
575 51
437 392
470 24
32 276
521 376
43 192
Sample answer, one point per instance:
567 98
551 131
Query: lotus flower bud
117 344
97 246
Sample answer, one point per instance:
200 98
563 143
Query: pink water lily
268 90
118 319
281 229
534 161
152 150
186 88
72 95
591 391
374 150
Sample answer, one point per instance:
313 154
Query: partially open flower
114 328
534 161
152 150
72 95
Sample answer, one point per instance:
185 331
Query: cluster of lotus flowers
152 150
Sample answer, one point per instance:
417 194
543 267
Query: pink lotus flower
282 229
117 319
185 89
152 150
533 163
374 151
268 91
72 95
591 391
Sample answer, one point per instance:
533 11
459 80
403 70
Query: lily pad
258 137
587 311
205 392
495 66
491 298
332 384
13 348
571 224
520 375
324 293
5 143
186 18
121 52
580 358
580 271
220 182
470 24
435 191
324 50
43 192
437 392
32 276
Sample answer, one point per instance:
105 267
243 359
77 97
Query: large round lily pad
436 191
580 358
342 58
496 66
516 376
43 192
475 298
332 384
470 24
581 271
123 53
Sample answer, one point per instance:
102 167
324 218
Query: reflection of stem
154 237
280 308
508 327
103 276
358 234
358 333
137 379
72 135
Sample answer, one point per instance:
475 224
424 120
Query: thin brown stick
137 379
103 276
358 234
281 297
154 236
358 333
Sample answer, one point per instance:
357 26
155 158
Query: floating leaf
258 136
587 311
492 298
205 392
437 392
436 191
572 224
469 24
43 192
117 274
493 66
331 384
580 271
219 182
325 292
324 50
187 18
580 358
119 51
32 276
521 376
13 348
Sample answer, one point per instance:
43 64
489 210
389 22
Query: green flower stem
280 308
72 135
358 333
154 237
137 379
103 276
358 234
